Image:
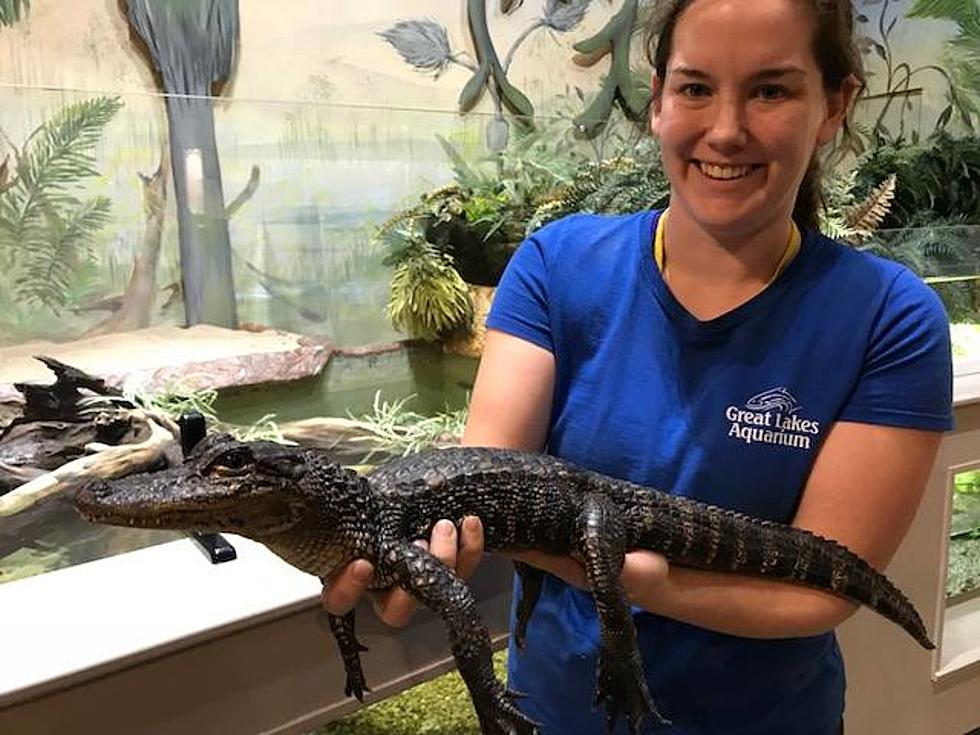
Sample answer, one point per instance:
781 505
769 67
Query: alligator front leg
434 585
342 627
621 686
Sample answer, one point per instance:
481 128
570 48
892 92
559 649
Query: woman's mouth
724 172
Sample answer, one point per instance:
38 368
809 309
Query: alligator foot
621 688
356 685
500 717
350 652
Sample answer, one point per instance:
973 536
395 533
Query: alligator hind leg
342 627
531 581
433 584
621 686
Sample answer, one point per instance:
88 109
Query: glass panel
963 580
306 187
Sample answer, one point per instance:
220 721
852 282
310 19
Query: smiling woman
702 353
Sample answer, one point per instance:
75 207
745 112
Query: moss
437 707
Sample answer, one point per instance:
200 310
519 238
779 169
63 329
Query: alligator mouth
100 503
120 503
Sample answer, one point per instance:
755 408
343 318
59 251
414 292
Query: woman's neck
711 272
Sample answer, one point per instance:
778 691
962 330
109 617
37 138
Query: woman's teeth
724 172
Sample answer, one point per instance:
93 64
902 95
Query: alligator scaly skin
319 517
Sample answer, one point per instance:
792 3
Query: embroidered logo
772 417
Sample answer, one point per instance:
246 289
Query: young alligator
319 516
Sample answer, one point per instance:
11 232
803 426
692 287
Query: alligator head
252 488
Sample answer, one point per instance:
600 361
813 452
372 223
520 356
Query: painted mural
325 124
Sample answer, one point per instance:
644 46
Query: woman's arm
512 395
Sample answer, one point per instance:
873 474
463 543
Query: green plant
478 220
938 179
403 432
46 231
428 298
967 483
844 218
626 183
962 55
899 75
440 706
176 400
12 10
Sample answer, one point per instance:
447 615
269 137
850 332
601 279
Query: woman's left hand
643 572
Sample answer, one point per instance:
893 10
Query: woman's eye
694 90
772 91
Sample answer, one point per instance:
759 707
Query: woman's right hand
460 551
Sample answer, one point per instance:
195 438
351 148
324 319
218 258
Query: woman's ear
656 101
838 104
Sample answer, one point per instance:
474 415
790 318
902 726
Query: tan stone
160 357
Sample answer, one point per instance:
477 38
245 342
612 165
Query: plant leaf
422 43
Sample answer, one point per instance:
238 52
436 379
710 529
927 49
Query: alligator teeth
714 171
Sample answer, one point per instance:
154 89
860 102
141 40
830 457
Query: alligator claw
621 688
503 718
356 686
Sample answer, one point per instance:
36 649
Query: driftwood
158 449
346 440
50 427
77 426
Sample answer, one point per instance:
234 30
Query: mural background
342 130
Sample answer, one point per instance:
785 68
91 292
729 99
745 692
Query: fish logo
774 399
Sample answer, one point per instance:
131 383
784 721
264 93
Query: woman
726 351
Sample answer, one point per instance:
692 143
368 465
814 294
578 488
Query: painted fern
46 230
11 11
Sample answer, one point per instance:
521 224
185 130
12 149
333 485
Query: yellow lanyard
792 247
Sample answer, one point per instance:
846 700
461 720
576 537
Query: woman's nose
727 128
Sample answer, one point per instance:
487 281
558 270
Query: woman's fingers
343 591
460 551
470 547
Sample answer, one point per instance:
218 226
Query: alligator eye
232 460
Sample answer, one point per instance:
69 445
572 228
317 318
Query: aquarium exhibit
234 223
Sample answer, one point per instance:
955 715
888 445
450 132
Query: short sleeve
520 302
907 376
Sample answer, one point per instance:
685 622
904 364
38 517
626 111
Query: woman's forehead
743 37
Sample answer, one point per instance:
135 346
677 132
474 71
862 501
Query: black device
216 547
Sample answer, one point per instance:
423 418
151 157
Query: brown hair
835 52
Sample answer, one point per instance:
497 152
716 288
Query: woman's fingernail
362 571
445 528
472 523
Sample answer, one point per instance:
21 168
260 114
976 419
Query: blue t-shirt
730 411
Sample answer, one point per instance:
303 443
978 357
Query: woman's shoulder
586 230
862 271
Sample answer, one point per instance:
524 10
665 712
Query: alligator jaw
178 500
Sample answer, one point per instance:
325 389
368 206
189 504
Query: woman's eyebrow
776 72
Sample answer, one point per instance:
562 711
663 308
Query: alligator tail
698 535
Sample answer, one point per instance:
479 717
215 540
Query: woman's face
741 110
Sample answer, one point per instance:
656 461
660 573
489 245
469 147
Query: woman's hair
837 57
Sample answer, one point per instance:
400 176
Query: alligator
319 516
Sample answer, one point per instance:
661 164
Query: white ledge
107 614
